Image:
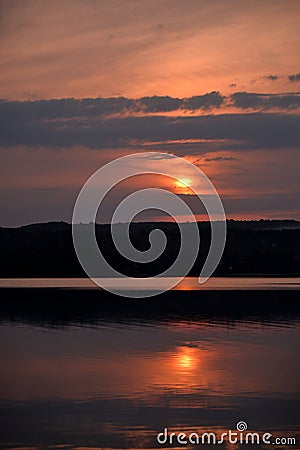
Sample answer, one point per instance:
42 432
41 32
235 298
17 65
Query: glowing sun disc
184 182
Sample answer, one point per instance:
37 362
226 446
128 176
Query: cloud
155 156
221 158
295 77
99 107
206 102
25 126
265 102
162 104
141 48
271 77
157 104
98 123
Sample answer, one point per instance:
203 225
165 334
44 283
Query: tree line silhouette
264 247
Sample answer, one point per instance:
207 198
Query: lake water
75 376
189 283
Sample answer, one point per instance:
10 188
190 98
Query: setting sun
183 183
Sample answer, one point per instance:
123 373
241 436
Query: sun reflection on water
187 358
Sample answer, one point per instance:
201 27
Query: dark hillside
253 247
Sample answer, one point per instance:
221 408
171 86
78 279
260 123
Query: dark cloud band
102 123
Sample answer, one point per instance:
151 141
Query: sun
183 183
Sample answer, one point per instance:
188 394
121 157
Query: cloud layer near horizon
248 144
185 126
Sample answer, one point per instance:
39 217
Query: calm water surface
190 283
116 384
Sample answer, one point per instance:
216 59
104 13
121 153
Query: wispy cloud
221 158
294 77
90 48
266 102
271 77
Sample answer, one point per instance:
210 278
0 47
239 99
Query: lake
82 369
189 283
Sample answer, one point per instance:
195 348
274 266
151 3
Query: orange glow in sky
91 49
184 182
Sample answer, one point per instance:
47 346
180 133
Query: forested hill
262 247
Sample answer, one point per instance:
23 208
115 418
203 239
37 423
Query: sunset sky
85 81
